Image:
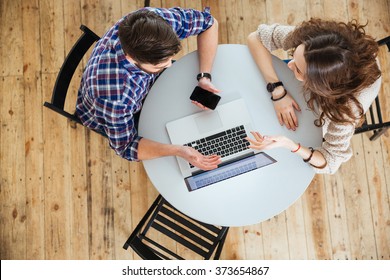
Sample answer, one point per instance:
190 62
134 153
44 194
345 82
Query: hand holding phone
205 97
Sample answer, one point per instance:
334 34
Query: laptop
220 132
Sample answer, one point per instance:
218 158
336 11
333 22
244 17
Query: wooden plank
155 3
33 131
378 197
235 22
57 181
121 203
100 16
56 150
78 188
276 12
101 210
233 249
34 168
334 188
52 26
296 11
11 47
335 12
143 194
357 203
385 107
355 10
316 220
315 9
376 167
129 6
218 10
381 30
296 231
253 242
352 209
254 14
78 195
12 184
275 241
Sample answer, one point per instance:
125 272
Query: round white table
265 192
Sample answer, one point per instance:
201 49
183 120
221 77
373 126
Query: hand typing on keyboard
197 159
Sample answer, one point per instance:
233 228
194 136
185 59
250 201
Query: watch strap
272 86
202 75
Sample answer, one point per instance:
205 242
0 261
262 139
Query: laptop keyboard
224 143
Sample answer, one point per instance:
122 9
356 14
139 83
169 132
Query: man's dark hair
147 37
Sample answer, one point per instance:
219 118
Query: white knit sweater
336 147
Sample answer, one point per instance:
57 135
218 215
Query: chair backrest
162 219
67 71
373 119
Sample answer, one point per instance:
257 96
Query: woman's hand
197 159
269 142
285 111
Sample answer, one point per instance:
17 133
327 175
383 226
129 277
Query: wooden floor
64 194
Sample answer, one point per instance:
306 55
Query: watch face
270 87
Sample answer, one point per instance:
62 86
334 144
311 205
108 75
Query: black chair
161 221
60 91
373 119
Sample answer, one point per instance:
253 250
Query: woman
336 63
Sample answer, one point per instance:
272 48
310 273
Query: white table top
269 190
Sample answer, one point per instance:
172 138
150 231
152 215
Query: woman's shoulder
368 95
273 35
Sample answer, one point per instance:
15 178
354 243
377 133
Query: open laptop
221 132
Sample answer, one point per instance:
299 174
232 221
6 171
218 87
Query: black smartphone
205 97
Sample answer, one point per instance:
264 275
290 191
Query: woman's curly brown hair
341 62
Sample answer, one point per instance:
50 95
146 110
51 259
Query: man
123 66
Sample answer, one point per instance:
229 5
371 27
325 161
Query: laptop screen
228 170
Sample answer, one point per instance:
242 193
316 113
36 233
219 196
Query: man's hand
206 84
197 159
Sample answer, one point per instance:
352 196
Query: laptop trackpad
208 122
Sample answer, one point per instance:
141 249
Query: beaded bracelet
297 149
311 154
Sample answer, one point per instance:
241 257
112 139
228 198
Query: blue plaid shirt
112 89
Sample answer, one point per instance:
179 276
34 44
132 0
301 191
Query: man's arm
148 149
207 47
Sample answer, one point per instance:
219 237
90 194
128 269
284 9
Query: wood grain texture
64 194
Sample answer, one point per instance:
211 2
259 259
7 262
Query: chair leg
220 246
142 222
147 3
378 133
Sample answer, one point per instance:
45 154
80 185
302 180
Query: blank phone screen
204 97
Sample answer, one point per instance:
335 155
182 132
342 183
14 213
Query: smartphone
205 97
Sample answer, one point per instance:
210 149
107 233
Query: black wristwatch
201 75
271 86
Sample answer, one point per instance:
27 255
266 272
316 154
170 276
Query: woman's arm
286 106
309 155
